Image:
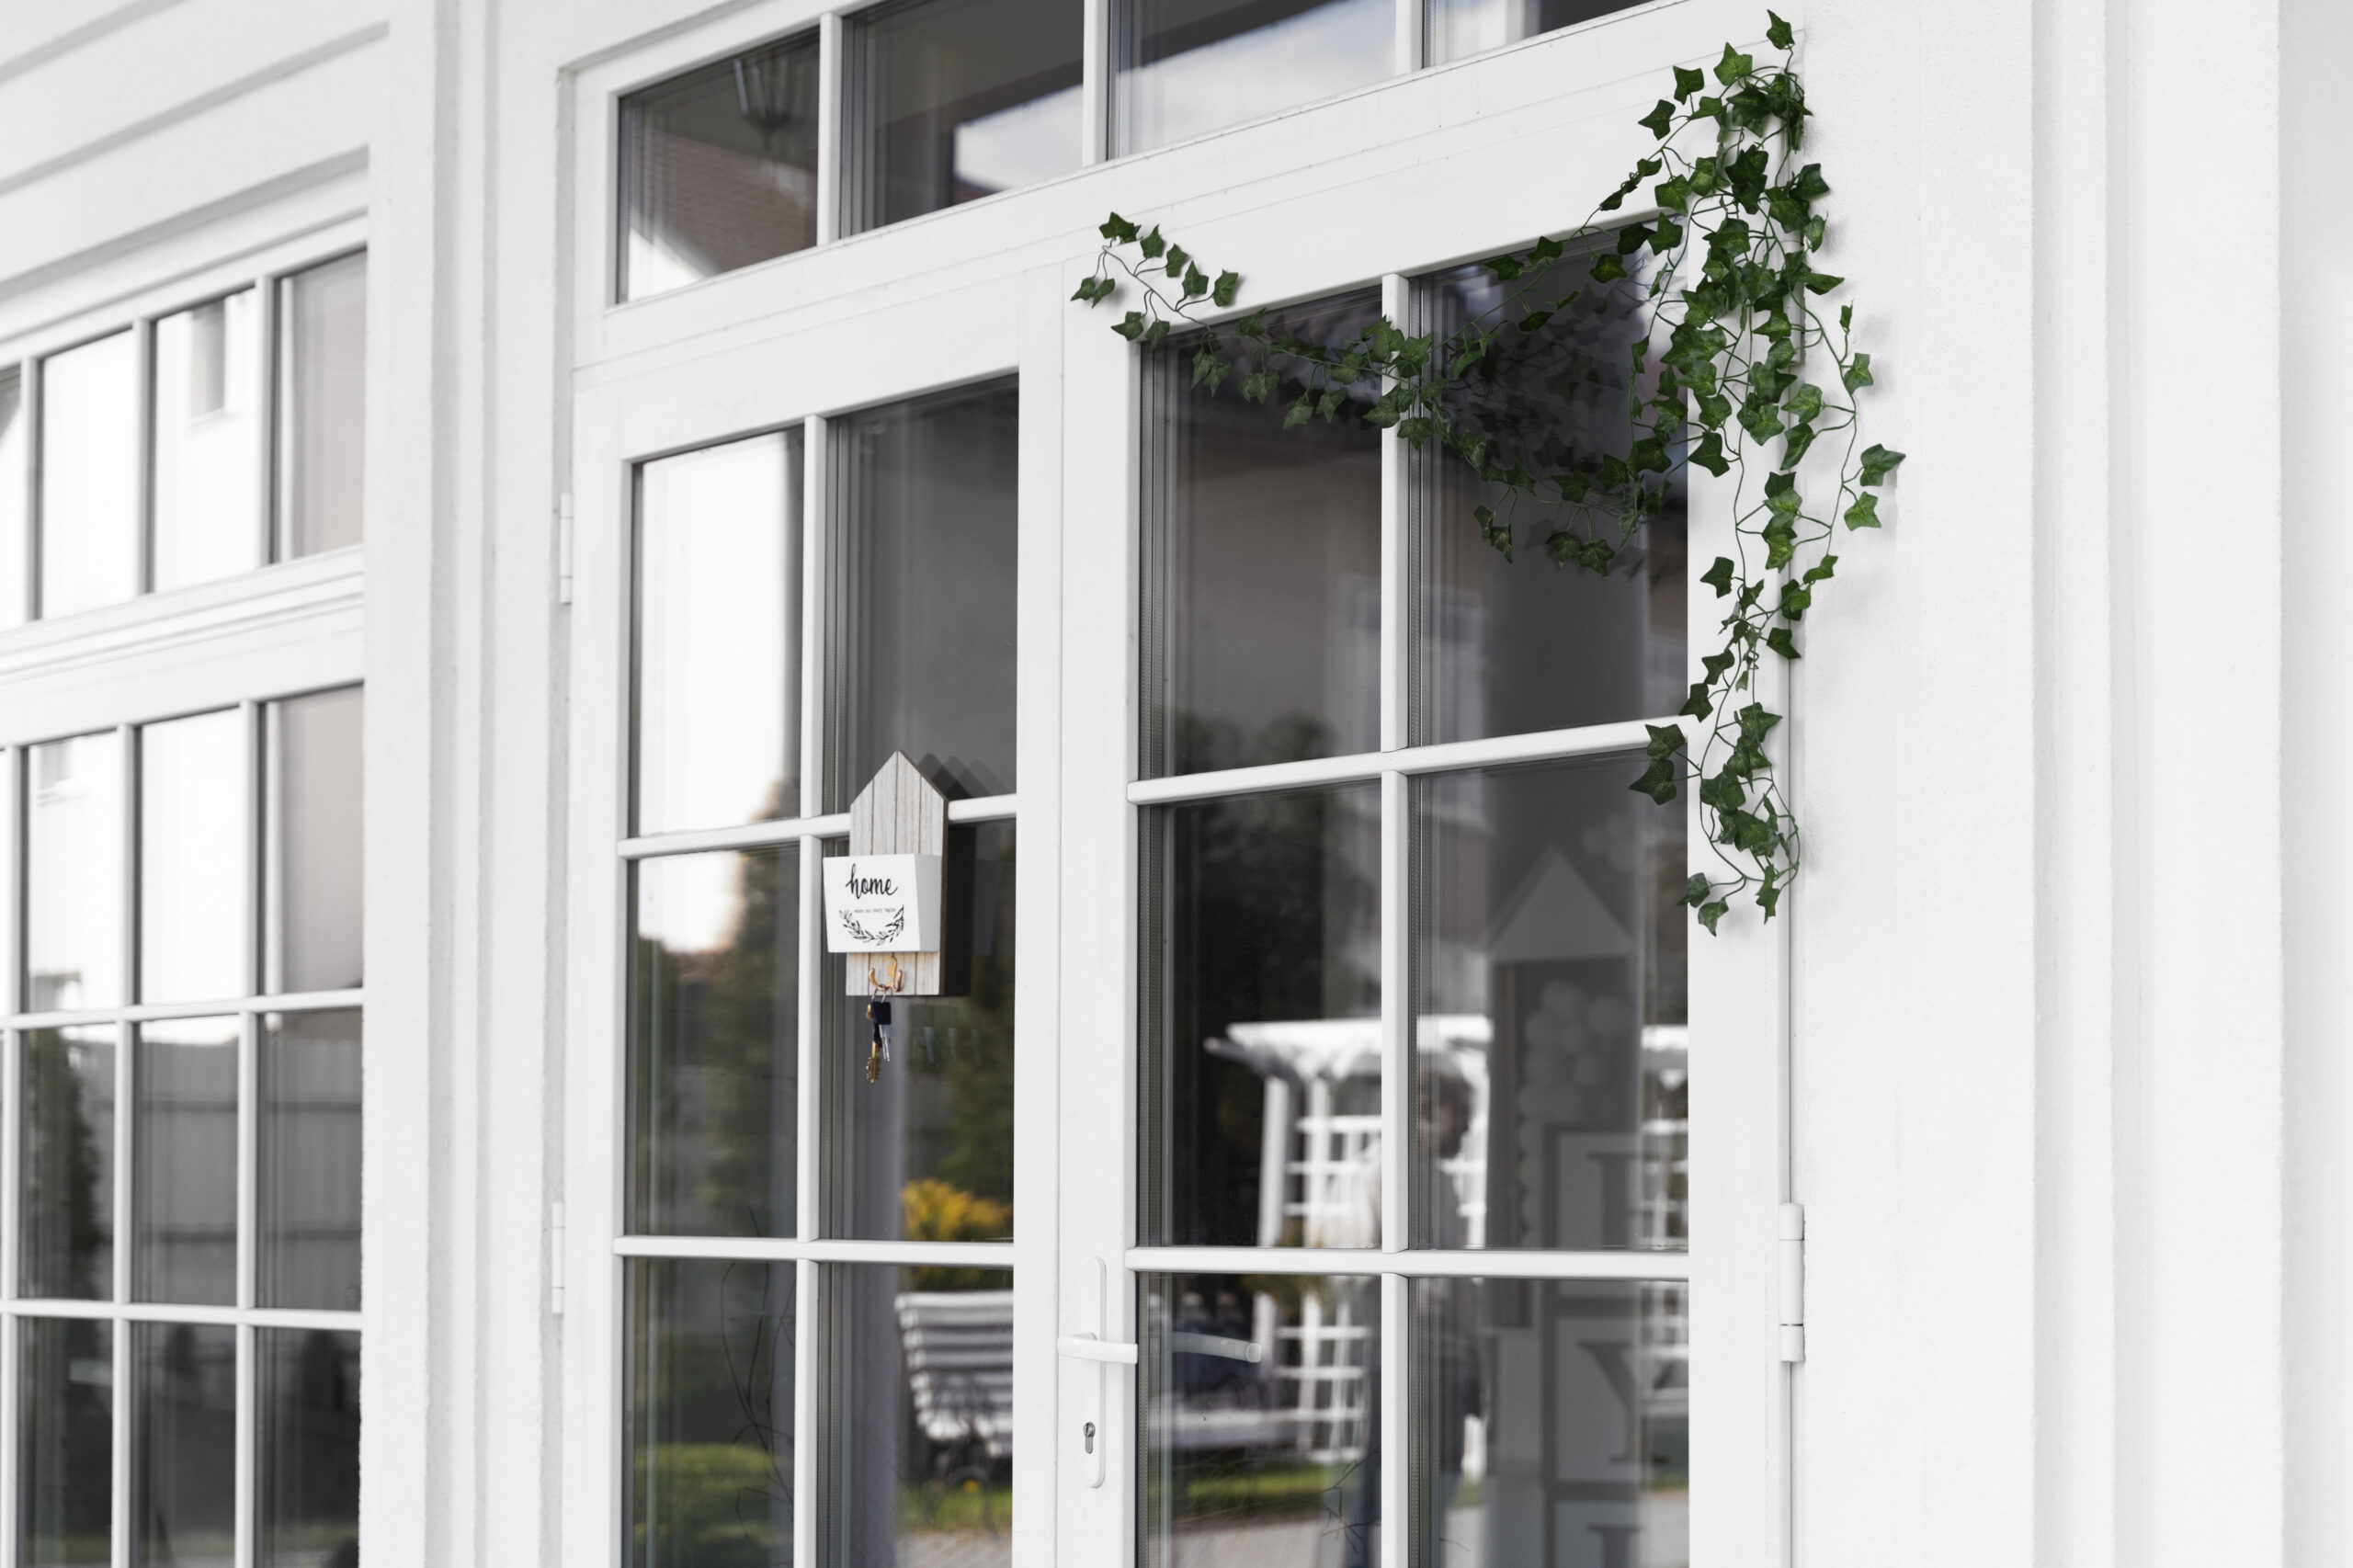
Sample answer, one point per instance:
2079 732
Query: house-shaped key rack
898 826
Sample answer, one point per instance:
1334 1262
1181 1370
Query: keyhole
1090 1436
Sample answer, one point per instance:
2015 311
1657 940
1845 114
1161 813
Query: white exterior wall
2067 1005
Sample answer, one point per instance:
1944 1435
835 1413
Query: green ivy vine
1719 367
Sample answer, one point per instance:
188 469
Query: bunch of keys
878 1012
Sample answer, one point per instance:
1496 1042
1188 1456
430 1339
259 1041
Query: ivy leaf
1152 245
1534 321
1669 235
1675 194
1814 229
1228 285
1801 439
1820 572
1734 66
1545 250
1782 643
1176 259
1329 402
1118 228
1878 462
1696 891
1298 412
1779 35
1658 780
1712 913
1769 896
1796 600
1132 326
1660 119
1810 185
1804 403
1698 704
1821 282
1666 739
1259 385
1204 362
1631 238
1504 267
1858 373
1719 576
1709 454
1687 81
1864 512
1157 334
1780 544
1197 283
1846 318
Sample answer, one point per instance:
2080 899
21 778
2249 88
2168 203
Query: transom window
181 1288
185 446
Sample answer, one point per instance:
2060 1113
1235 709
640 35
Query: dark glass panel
1459 28
65 1209
313 933
1262 567
1192 66
184 1203
713 1064
1261 1417
64 1442
1261 1091
307 1187
183 1445
306 1504
322 407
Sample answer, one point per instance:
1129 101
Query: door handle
1095 1435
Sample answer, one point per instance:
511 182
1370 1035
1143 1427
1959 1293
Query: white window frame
1326 198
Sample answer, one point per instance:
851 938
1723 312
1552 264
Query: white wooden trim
1546 746
911 1254
1417 1264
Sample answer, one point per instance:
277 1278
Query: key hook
898 980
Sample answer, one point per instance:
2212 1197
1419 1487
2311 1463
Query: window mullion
1409 46
143 459
1100 70
832 90
267 394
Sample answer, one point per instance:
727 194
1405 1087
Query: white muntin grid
817 1174
250 1009
1394 766
270 284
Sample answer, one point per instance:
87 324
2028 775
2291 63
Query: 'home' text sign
883 903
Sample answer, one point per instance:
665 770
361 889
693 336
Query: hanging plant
1731 358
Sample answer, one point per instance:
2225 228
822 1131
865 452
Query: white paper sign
883 903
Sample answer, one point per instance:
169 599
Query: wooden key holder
883 899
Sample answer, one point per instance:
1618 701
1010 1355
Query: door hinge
556 1259
564 549
1792 1271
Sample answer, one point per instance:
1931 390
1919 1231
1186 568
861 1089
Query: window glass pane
927 1148
311 938
719 636
73 833
714 1063
307 1202
1459 28
1550 1077
719 168
184 1444
1261 997
1262 571
963 98
1485 627
306 1392
1194 66
14 422
1554 1423
207 442
323 406
184 1243
1261 1418
66 1209
917 1366
65 1435
193 865
708 1404
90 475
924 654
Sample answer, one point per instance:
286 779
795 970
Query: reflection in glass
193 870
1461 28
708 1403
65 1211
306 1397
718 731
306 1217
14 421
719 168
713 1064
1549 399
90 475
924 660
1194 66
1261 1419
1552 1425
1262 568
323 406
918 1375
64 1437
1549 1071
311 843
961 98
1261 1021
927 1148
73 873
207 442
183 1198
183 1444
